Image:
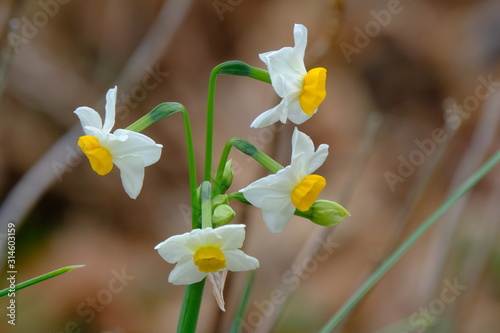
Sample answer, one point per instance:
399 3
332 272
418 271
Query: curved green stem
396 255
233 67
248 149
159 112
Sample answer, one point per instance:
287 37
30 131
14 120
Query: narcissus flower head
301 91
294 187
207 252
130 151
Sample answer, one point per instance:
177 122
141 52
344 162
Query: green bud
223 214
327 213
227 177
218 200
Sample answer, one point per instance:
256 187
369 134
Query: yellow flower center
209 259
99 157
307 191
313 90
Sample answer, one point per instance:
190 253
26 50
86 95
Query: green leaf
38 279
238 319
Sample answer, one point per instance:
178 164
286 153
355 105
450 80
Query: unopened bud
327 213
223 214
227 177
220 199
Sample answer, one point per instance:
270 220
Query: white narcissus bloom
130 151
302 91
207 252
294 187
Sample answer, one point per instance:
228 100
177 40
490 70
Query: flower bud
218 200
223 214
327 213
227 177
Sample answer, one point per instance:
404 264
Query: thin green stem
233 67
190 311
245 298
206 205
159 112
195 214
396 255
38 279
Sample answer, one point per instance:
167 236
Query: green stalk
159 112
206 205
190 310
246 148
396 255
238 319
188 318
38 279
234 67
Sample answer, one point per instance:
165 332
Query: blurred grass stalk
410 241
38 279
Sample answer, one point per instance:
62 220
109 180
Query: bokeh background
412 110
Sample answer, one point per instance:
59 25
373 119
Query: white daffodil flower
302 91
279 194
207 252
130 151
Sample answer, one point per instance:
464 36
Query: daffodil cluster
213 246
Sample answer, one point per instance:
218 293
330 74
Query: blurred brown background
396 71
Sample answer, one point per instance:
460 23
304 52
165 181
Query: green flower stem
396 255
206 205
191 303
159 112
39 279
233 67
246 148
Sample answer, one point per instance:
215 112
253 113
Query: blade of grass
238 319
396 255
39 279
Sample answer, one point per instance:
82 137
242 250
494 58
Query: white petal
295 112
109 120
318 158
89 117
282 72
272 186
202 237
173 249
301 144
238 261
300 37
136 144
185 272
232 236
279 112
132 174
277 212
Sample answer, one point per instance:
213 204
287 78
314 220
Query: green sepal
249 149
159 112
239 68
